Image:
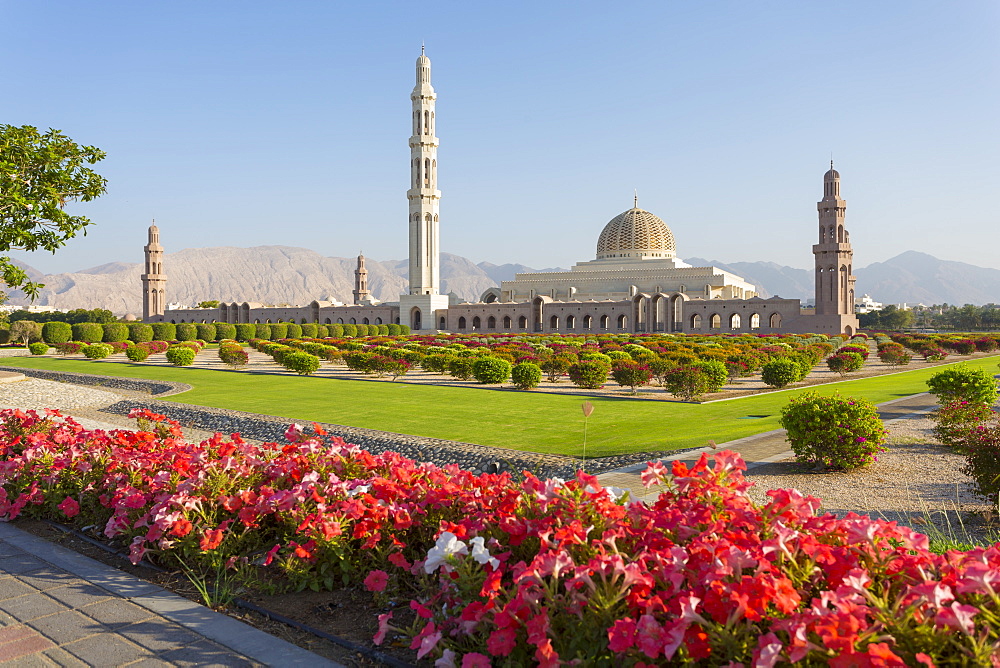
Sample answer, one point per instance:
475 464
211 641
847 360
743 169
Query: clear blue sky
259 123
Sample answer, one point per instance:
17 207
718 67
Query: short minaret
154 281
834 261
418 308
361 281
425 270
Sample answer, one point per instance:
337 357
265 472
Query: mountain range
291 275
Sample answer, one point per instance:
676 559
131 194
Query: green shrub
956 420
115 332
358 361
687 381
715 373
262 330
805 361
140 332
660 366
404 330
71 347
780 372
393 329
963 383
309 330
159 331
88 332
631 374
383 330
279 330
336 331
137 352
186 331
224 330
322 331
38 348
436 362
557 365
526 375
350 331
894 355
294 331
460 367
97 351
491 370
981 448
841 433
205 331
300 362
180 355
233 355
57 332
5 333
589 374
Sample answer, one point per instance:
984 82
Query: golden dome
636 233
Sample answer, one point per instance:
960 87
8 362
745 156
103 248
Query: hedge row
137 332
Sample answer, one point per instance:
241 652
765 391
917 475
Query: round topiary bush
460 367
186 331
88 332
300 362
393 329
293 331
279 330
57 332
225 330
383 330
115 332
350 330
137 352
491 370
310 330
262 330
38 348
841 433
526 375
404 330
716 374
687 381
780 372
963 383
589 374
180 355
98 351
244 331
205 331
631 374
139 332
159 331
894 355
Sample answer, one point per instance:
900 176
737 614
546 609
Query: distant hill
290 275
267 274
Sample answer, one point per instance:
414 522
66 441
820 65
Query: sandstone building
635 283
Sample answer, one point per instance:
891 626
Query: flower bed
537 571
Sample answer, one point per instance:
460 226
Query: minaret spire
361 291
154 281
834 262
423 193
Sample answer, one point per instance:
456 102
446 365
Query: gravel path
918 482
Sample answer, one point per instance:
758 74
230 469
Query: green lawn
519 420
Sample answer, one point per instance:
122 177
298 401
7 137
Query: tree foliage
39 174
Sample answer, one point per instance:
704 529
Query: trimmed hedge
491 370
336 331
404 330
294 331
245 331
393 330
263 331
526 375
350 330
279 330
322 331
225 330
309 330
162 331
383 330
140 332
115 332
57 332
180 355
88 332
38 348
138 352
206 331
300 362
186 331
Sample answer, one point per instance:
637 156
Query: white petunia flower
447 545
481 554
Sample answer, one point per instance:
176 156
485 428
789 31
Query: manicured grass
546 423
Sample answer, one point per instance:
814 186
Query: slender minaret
360 281
834 258
425 272
154 282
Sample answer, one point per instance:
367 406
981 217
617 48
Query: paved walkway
60 608
756 450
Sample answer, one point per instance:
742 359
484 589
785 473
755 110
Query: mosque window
696 321
506 322
588 322
570 322
461 322
775 320
734 321
522 323
754 321
714 321
477 323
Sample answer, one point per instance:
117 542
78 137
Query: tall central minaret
425 269
418 307
154 282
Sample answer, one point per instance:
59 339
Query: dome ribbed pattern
636 230
831 174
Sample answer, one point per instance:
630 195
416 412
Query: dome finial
635 199
421 47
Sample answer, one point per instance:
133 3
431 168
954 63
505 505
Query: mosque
635 284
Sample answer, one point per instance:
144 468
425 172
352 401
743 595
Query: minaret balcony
831 248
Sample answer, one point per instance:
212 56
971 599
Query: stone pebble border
469 456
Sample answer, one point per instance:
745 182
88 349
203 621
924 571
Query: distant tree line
939 316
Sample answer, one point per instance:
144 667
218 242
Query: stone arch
416 317
477 323
735 321
354 321
461 322
340 321
506 322
605 321
522 322
327 322
715 321
755 321
622 322
490 296
774 322
441 323
848 330
696 321
840 234
571 322
640 308
554 323
537 312
588 321
364 321
491 323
